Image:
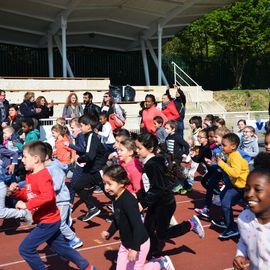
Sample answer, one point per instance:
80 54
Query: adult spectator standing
180 103
72 107
4 104
28 108
46 108
90 108
109 106
149 113
168 107
14 119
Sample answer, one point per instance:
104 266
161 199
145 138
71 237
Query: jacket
170 111
94 156
236 168
32 135
250 146
56 170
67 111
39 196
156 185
148 116
92 109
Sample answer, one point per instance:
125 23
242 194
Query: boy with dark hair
94 159
38 196
160 130
176 146
236 167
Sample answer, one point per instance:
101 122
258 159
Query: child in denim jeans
38 196
236 167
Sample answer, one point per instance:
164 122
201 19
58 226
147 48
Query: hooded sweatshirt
32 135
56 170
250 146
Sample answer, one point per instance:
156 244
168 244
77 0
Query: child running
253 249
62 152
158 199
135 241
58 175
236 167
131 164
38 196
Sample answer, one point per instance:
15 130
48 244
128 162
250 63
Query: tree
236 32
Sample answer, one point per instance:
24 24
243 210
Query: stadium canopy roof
120 25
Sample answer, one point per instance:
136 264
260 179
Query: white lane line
53 255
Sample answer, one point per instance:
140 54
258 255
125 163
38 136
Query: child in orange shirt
62 152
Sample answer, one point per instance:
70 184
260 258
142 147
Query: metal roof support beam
55 26
145 63
59 45
153 54
50 55
64 45
159 54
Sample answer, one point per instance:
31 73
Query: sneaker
75 243
97 190
91 213
229 233
177 188
109 219
202 211
91 267
166 263
219 223
186 190
28 217
197 226
110 207
216 200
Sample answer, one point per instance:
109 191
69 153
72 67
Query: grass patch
243 100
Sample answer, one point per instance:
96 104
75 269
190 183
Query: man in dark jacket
90 108
4 105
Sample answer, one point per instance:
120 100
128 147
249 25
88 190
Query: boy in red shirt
38 196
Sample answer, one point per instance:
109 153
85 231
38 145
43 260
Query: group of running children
140 175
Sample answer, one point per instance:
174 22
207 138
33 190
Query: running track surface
187 252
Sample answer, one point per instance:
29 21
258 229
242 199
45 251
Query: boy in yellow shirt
236 168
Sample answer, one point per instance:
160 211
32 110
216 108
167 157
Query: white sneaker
166 263
216 200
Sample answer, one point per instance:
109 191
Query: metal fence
257 119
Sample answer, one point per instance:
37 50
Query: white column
145 63
151 50
159 53
64 46
59 46
50 55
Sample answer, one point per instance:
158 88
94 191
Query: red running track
187 252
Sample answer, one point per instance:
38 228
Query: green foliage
236 32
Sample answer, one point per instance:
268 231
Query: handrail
176 66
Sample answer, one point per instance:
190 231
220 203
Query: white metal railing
177 76
180 77
255 118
